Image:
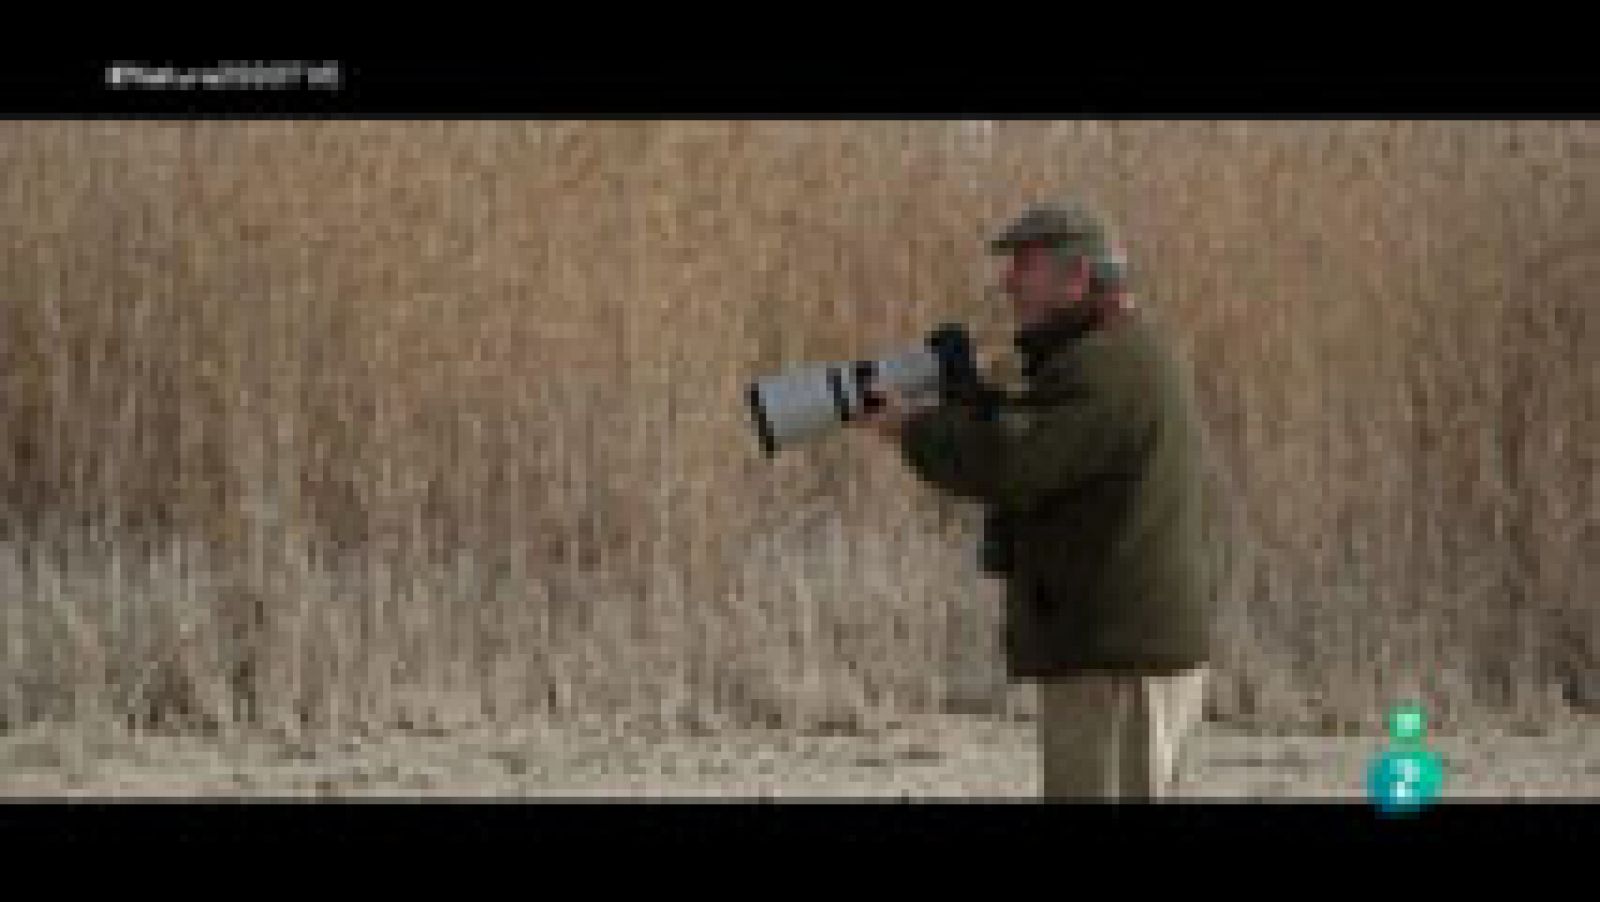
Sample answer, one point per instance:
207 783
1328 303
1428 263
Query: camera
814 399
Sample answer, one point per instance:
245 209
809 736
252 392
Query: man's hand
890 417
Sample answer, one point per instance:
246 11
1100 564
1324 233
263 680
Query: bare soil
945 758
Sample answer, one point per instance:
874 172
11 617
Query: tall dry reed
366 425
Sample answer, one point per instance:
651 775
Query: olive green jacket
1097 467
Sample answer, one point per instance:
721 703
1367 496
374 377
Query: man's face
1039 283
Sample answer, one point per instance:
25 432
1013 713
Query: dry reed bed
366 424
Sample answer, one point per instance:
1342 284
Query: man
1091 475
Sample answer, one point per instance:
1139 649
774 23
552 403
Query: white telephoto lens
912 373
803 404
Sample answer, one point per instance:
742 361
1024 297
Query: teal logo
1406 775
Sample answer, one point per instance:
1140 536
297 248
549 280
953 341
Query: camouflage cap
1060 225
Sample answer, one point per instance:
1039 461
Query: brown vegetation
363 425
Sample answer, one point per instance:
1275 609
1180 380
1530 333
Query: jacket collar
1037 342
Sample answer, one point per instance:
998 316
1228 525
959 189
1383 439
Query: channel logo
1406 776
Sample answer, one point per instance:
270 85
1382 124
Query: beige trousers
1110 737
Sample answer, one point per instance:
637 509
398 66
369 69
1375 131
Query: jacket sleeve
1073 426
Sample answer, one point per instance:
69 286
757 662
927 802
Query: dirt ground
946 758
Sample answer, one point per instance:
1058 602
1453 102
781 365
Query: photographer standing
1091 475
